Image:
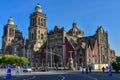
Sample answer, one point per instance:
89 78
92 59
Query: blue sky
89 14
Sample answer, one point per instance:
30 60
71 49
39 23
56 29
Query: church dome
75 31
38 8
10 21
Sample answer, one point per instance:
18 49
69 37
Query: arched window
33 22
89 60
38 31
9 40
32 36
39 21
44 23
42 36
10 31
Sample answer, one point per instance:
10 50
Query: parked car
27 70
43 69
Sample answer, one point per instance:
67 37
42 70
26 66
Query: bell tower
9 34
103 45
37 29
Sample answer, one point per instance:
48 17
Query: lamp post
76 60
51 58
105 61
61 63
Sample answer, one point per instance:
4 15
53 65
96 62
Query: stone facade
56 47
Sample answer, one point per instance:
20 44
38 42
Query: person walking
86 70
90 69
103 69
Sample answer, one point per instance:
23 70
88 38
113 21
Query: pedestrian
103 69
90 69
107 68
86 70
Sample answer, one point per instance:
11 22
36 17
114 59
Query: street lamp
51 58
105 61
76 60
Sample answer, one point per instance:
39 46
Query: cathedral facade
56 47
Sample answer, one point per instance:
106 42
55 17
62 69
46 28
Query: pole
46 52
61 63
76 60
51 58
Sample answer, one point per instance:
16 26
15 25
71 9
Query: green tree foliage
0 59
11 59
116 65
117 58
24 60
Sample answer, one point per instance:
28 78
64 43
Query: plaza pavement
3 72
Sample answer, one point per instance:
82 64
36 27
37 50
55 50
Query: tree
117 58
24 60
116 64
0 59
11 59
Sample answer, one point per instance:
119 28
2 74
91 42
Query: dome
10 21
38 8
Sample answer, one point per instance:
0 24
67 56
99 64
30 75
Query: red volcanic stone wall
68 48
96 52
89 51
43 54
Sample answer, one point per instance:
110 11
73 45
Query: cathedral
56 47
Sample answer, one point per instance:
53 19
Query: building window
38 31
9 40
33 22
11 32
41 36
44 22
39 21
32 36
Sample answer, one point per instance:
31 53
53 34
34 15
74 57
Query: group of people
103 69
88 69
